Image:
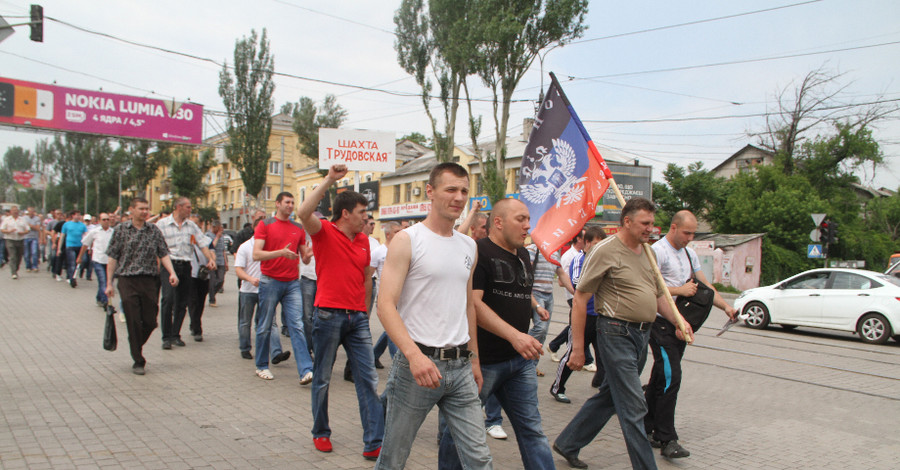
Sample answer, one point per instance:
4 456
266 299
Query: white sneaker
265 374
496 431
307 378
59 278
554 356
121 317
592 367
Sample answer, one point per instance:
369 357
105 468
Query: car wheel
788 327
757 315
873 328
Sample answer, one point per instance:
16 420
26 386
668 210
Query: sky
657 81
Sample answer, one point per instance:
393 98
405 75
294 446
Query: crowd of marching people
465 308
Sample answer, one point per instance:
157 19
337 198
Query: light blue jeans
32 257
271 293
408 404
100 270
350 329
247 303
308 287
623 350
514 384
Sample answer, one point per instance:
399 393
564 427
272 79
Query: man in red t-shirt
342 297
278 244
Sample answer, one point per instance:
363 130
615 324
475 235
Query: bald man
501 287
680 266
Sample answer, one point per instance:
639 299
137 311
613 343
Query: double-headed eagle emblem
555 176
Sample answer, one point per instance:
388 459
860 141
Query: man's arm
579 316
306 254
311 224
393 276
242 275
472 318
467 224
167 263
111 280
718 301
368 272
662 306
524 344
537 307
564 280
261 255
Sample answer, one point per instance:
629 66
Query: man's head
75 216
216 226
448 190
14 211
140 210
480 226
182 208
104 220
682 230
510 223
350 210
258 215
390 229
592 236
31 212
370 225
404 224
284 204
637 220
578 241
59 214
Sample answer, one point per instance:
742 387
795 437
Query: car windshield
892 279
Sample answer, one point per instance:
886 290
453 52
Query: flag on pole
562 176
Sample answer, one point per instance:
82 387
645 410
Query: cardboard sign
360 150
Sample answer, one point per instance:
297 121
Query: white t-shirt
565 261
432 303
98 240
308 270
673 264
378 256
373 245
243 258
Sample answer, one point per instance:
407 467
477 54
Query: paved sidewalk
67 403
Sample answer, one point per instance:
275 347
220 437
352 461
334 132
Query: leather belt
445 354
643 326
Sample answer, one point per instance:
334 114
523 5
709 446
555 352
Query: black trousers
196 304
140 305
174 301
665 380
590 339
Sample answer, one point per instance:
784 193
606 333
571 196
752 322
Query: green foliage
207 214
187 173
308 119
417 138
247 95
726 289
883 215
696 189
143 159
829 162
494 185
779 262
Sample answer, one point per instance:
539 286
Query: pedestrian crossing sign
814 251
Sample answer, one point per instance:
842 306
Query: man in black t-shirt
501 287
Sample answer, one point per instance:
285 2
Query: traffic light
824 231
832 231
37 23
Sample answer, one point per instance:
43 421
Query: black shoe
246 355
281 357
73 283
198 338
138 369
654 442
285 332
673 450
167 345
178 342
573 461
560 397
378 364
348 374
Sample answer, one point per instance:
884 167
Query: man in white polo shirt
249 272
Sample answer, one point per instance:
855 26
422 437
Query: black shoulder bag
110 341
695 309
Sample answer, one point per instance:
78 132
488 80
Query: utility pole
282 163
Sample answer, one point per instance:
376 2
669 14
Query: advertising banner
368 189
633 181
360 150
29 180
402 211
29 104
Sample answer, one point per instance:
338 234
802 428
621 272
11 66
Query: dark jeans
590 339
139 304
85 265
174 301
665 380
216 281
59 262
32 255
71 261
196 304
100 269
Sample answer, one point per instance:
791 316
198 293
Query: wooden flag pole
659 278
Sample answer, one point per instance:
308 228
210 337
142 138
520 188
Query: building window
274 167
479 185
268 193
408 192
302 194
368 177
218 175
397 194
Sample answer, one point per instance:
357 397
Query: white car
856 300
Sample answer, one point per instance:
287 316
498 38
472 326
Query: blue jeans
71 261
247 302
622 353
492 416
308 287
271 293
384 342
331 329
540 327
514 383
408 404
32 257
100 270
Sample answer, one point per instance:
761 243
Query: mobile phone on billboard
7 95
25 102
45 105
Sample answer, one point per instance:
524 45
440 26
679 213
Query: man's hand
730 311
337 171
254 281
476 372
576 360
173 279
543 313
288 253
211 264
110 292
690 331
527 346
688 289
424 370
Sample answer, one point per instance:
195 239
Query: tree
308 119
188 172
830 162
697 190
248 100
417 138
15 159
883 215
143 159
512 34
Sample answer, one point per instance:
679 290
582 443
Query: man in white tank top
425 304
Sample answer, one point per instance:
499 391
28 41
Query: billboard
360 150
633 181
38 105
368 189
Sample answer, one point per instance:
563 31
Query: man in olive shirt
627 298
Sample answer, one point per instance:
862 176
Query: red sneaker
373 454
323 444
